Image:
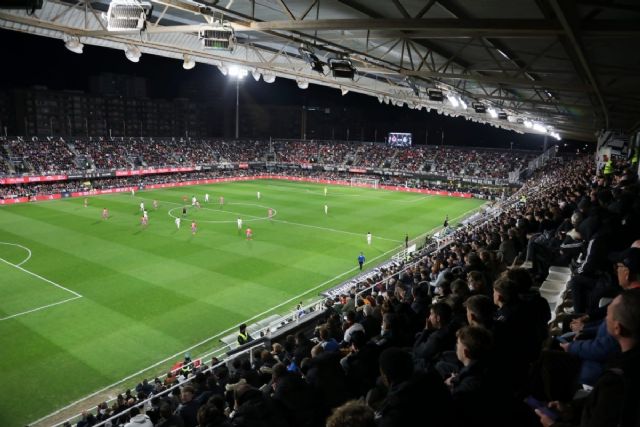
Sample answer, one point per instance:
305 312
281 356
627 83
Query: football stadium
309 213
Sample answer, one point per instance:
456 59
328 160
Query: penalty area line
76 295
39 308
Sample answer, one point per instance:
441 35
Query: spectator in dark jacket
437 336
188 409
405 404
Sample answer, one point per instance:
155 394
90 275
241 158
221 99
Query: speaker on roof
29 5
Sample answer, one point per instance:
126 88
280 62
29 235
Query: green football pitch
86 302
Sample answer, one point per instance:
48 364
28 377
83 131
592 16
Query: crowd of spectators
54 155
464 162
459 336
47 155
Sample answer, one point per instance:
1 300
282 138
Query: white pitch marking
40 277
332 229
20 246
39 308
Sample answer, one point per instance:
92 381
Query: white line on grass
331 229
76 295
206 340
39 308
252 217
20 246
40 277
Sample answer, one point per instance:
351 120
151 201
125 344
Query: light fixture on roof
302 84
492 113
223 69
311 58
344 91
219 37
256 75
238 72
453 100
188 63
342 68
74 45
528 124
555 135
127 15
269 78
132 53
435 95
462 103
479 107
539 127
380 99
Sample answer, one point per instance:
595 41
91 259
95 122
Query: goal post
365 182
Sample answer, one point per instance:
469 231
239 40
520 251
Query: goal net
365 182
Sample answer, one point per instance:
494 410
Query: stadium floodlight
132 53
127 15
74 45
528 124
256 75
555 135
453 100
311 58
238 72
342 68
492 113
435 95
479 107
188 63
302 84
223 69
269 78
539 127
220 37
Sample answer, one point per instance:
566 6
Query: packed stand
50 156
374 155
450 161
45 156
411 159
105 154
334 153
296 152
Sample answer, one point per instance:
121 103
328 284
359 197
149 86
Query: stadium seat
562 270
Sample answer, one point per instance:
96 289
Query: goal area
365 182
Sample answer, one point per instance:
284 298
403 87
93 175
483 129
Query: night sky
165 76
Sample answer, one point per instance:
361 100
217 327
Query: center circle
244 216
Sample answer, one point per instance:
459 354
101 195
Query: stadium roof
570 66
